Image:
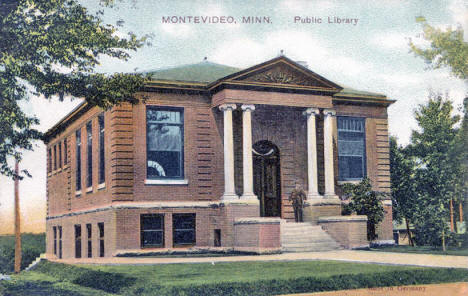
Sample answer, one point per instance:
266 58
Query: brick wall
259 235
68 236
203 151
61 183
128 231
385 228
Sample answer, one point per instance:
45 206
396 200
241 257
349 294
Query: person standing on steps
297 197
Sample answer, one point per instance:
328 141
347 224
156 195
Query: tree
52 47
402 179
438 177
447 49
365 201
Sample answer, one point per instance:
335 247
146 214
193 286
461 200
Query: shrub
101 280
364 201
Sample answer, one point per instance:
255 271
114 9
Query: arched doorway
267 183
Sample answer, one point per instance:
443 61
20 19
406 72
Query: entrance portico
298 128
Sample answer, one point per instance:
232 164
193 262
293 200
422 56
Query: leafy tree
447 49
365 201
402 178
52 47
438 177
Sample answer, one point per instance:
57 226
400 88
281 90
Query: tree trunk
460 209
443 239
17 223
452 228
408 231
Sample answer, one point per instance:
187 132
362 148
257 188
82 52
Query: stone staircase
38 259
305 237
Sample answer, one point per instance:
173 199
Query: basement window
184 229
77 241
152 230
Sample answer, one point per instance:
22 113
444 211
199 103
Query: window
164 131
89 153
60 154
77 241
101 239
102 172
184 229
65 151
78 160
351 148
60 241
55 157
50 160
217 237
55 239
152 230
90 243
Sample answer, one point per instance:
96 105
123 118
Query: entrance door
267 183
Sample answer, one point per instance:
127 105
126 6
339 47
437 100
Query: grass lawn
240 278
423 250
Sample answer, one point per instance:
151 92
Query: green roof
203 72
347 91
206 72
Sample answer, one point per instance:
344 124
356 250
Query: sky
370 53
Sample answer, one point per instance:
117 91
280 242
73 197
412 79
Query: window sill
166 182
101 186
89 189
78 193
152 247
182 246
349 182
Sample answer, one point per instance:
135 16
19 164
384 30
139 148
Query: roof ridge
185 65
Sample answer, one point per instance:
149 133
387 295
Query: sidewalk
452 289
342 255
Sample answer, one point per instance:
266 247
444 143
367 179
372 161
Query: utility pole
17 222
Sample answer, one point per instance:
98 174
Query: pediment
283 72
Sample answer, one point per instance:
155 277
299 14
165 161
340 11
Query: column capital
248 107
225 107
312 111
330 112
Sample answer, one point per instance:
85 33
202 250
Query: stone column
247 167
328 153
229 189
312 175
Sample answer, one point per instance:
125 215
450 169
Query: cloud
459 12
392 40
241 52
324 60
298 6
401 79
177 30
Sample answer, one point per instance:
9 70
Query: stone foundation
313 210
348 231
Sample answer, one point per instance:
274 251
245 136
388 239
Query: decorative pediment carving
283 74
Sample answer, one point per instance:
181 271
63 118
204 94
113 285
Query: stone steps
38 259
305 237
